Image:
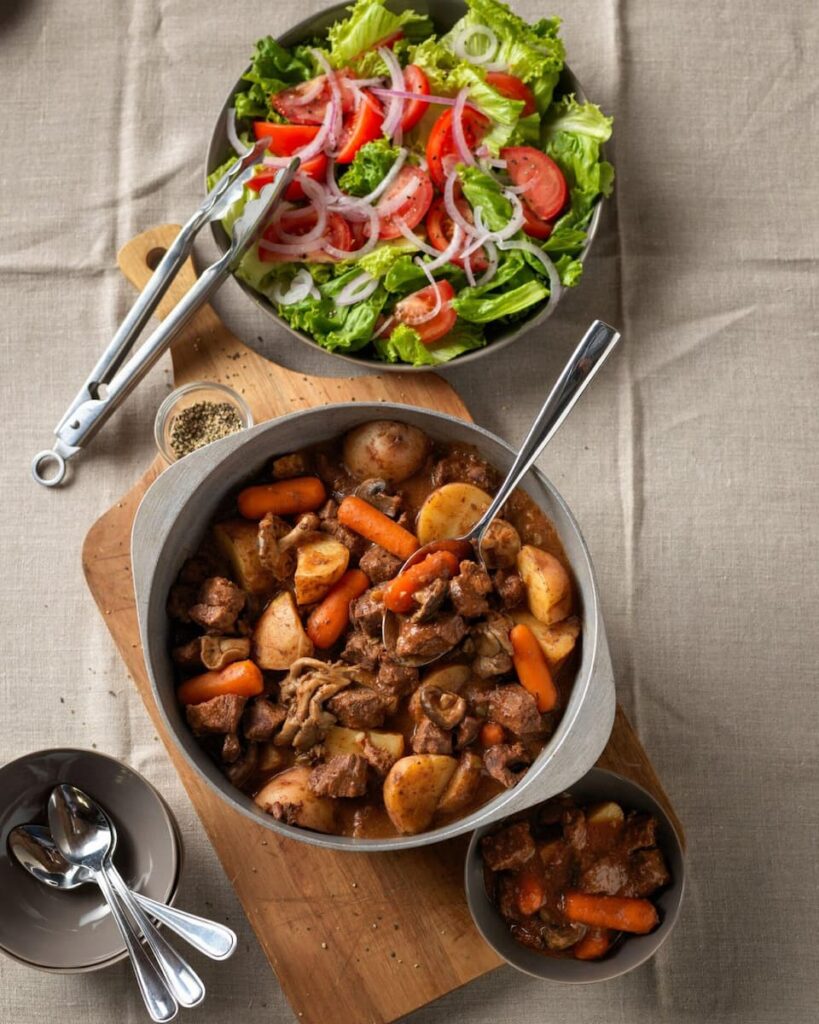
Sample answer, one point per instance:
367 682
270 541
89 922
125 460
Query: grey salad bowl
174 516
597 786
444 14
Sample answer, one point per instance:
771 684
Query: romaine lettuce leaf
273 68
405 276
345 328
482 309
483 192
369 24
369 167
404 345
384 257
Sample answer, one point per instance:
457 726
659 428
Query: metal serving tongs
110 382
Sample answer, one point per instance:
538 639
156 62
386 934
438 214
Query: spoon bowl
36 851
80 828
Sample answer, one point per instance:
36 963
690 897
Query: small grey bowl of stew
584 887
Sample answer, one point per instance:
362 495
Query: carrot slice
399 591
330 618
359 516
532 668
530 893
594 944
242 678
284 498
621 913
491 734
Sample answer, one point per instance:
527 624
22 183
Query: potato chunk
608 813
385 449
556 641
448 677
548 587
238 541
451 511
319 565
279 637
288 798
340 740
413 788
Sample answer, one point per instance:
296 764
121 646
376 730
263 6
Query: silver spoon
35 850
585 361
83 836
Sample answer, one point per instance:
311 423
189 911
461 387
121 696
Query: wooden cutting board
353 938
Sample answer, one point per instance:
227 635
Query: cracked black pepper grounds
201 423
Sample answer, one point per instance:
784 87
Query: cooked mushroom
375 492
500 546
443 707
212 652
278 541
493 646
499 759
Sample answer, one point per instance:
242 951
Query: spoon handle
182 980
211 938
159 1002
585 361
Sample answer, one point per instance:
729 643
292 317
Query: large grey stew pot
174 517
444 14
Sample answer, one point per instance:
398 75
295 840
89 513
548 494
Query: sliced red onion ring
330 181
314 147
287 249
555 287
493 258
353 209
470 274
387 323
360 288
500 164
310 93
444 101
451 250
512 226
402 196
388 178
469 32
452 207
413 321
395 110
299 288
335 98
364 83
410 236
232 133
458 128
318 207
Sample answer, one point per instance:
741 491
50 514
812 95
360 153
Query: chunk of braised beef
344 775
575 828
429 738
285 467
218 604
506 763
367 612
506 897
509 588
514 708
467 732
379 759
220 714
429 600
358 708
606 876
398 680
640 831
509 848
492 646
243 769
463 466
354 542
477 698
429 639
469 590
262 718
362 650
231 748
647 872
378 564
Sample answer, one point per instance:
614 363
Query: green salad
444 192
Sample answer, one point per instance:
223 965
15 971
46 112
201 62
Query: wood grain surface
353 938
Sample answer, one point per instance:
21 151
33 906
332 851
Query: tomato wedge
546 190
299 222
440 228
441 142
414 81
512 88
363 125
534 226
285 139
315 168
290 102
416 188
414 306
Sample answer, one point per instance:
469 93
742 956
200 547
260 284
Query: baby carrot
491 734
329 619
594 944
284 498
532 667
242 677
356 514
621 913
398 592
530 893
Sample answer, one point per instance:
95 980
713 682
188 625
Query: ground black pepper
201 423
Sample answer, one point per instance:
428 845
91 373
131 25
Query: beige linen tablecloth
691 465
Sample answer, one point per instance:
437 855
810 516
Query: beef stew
276 636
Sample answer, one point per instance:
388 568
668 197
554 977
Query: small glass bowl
190 394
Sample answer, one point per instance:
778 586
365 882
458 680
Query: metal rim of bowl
178 847
166 407
478 900
492 810
219 149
